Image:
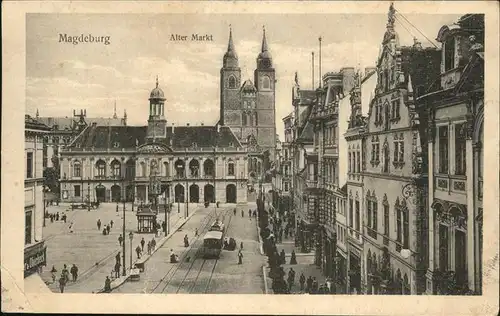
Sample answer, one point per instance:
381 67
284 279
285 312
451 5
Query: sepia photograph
316 153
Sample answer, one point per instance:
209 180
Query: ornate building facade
390 219
454 107
249 107
191 163
34 246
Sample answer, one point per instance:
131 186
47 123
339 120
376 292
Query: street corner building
194 164
35 251
387 166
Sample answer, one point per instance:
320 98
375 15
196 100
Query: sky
62 77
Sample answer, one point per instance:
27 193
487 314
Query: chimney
187 124
85 112
173 128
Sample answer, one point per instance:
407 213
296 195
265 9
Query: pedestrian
283 256
108 228
74 272
104 231
250 213
117 269
71 228
62 283
309 283
111 223
153 244
57 216
118 257
242 213
291 279
196 232
241 245
64 218
149 247
107 285
53 272
315 285
164 226
120 240
234 212
240 257
99 224
138 251
116 207
293 259
302 280
51 218
65 273
186 241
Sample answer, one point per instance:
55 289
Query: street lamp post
44 203
187 189
88 195
123 234
130 237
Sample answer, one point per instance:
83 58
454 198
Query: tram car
218 226
212 244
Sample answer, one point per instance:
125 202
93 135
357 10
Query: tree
51 179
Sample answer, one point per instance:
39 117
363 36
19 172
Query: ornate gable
153 148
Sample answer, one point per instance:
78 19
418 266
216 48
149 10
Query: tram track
165 281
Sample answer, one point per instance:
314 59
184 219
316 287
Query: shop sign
33 260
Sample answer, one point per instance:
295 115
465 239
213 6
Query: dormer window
449 54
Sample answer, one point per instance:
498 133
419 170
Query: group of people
106 228
151 246
55 217
250 213
64 277
293 257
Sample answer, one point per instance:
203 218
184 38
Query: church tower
157 124
230 81
265 80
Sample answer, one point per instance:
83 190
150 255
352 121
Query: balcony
327 112
371 232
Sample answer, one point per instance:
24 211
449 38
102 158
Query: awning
35 284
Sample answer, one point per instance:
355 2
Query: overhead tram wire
416 28
404 26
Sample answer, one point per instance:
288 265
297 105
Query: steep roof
68 123
31 123
180 137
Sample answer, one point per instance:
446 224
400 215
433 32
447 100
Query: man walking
108 228
142 244
242 213
107 285
74 272
111 223
117 269
302 280
234 212
250 213
240 257
120 240
291 279
99 224
138 251
309 284
62 282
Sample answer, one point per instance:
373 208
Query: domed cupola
264 60
157 93
230 57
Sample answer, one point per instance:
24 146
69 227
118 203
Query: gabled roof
68 123
179 137
31 123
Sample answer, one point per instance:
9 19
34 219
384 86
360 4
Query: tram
212 244
218 226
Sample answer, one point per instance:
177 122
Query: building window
28 226
244 119
357 219
285 186
77 191
395 109
101 168
398 227
232 82
358 162
77 169
375 151
116 168
449 54
266 83
351 211
443 248
443 149
256 119
29 165
230 168
386 223
387 158
460 160
349 163
45 158
406 228
460 257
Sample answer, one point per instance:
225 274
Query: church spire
264 41
230 58
37 114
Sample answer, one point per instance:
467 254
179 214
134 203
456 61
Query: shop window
460 160
443 149
28 226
